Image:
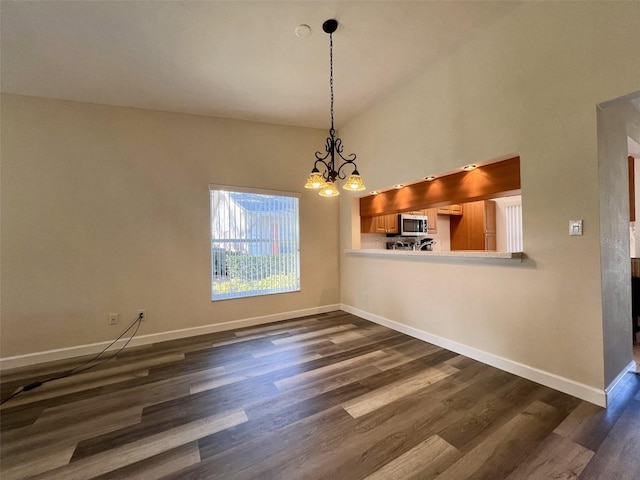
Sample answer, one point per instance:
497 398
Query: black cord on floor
86 365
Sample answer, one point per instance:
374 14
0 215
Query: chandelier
325 180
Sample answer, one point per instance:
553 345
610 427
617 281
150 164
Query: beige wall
616 120
529 85
106 209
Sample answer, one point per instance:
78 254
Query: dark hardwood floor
325 397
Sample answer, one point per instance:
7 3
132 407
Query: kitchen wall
106 209
443 237
529 85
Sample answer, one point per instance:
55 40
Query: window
513 225
255 242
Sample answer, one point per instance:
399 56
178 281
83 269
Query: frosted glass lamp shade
315 180
329 190
354 183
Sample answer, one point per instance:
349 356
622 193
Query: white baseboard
579 390
80 350
612 389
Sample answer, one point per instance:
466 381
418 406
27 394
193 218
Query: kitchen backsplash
373 241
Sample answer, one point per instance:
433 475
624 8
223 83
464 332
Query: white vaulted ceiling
232 59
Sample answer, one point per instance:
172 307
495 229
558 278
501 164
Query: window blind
255 242
513 215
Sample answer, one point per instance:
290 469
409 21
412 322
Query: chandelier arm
328 147
321 158
340 148
343 175
328 173
325 164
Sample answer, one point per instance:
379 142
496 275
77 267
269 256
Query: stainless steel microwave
412 225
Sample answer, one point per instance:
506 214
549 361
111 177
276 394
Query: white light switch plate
575 227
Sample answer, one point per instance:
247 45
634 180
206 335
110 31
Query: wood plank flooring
330 396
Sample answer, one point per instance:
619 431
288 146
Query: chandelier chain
331 75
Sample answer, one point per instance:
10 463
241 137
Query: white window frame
246 259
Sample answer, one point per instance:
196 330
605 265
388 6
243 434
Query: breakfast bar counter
457 256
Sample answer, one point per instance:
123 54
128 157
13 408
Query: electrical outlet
143 313
113 319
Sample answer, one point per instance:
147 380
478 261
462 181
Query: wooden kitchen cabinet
455 209
432 225
489 212
391 223
450 210
368 224
379 224
475 229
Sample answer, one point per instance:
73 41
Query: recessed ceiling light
430 178
375 192
398 186
469 167
303 30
